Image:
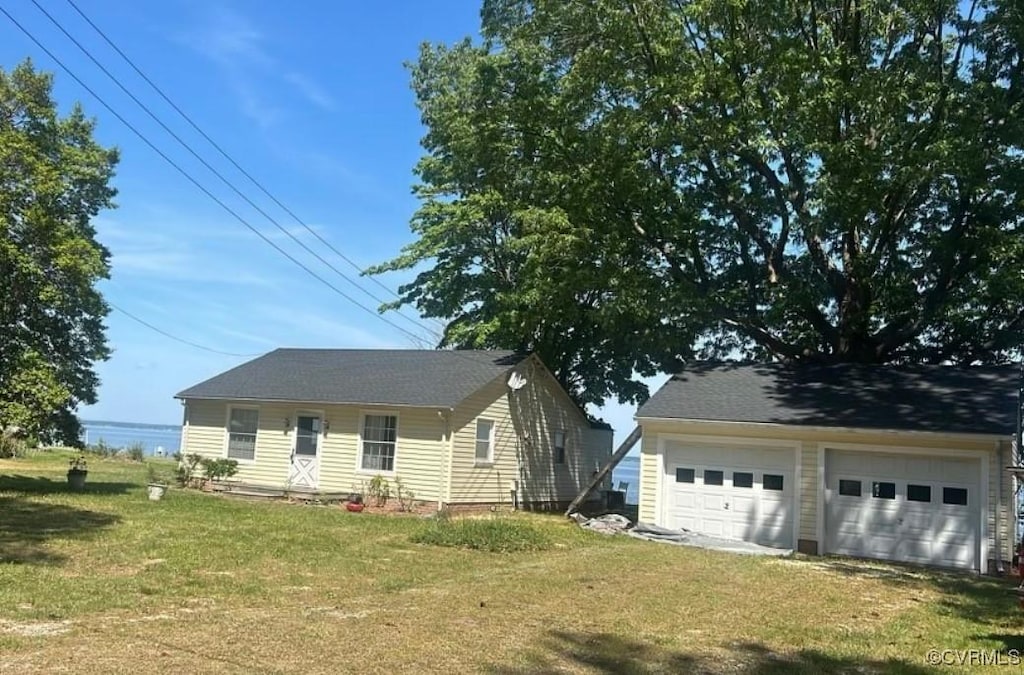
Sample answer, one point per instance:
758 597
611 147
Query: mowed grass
107 581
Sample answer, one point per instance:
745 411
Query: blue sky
314 101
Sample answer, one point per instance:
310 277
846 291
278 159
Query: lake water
156 439
628 471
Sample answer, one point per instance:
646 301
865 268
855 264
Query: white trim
985 479
977 437
359 470
819 515
798 494
491 439
227 433
735 443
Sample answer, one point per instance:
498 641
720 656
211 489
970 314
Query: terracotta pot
353 507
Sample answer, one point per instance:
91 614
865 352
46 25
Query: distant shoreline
131 425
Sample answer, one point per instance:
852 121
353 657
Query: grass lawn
106 581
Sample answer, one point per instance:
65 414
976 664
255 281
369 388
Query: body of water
156 439
628 471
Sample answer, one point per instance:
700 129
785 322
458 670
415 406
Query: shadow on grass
26 527
606 653
980 599
40 485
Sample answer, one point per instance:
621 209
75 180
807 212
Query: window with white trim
558 441
380 433
242 425
484 441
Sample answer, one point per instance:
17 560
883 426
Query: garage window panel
772 481
849 488
919 493
954 496
742 479
883 490
713 477
685 475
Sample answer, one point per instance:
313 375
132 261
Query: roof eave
816 427
288 401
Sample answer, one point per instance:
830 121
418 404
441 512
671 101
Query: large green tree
54 178
622 185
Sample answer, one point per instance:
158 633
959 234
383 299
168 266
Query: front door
306 452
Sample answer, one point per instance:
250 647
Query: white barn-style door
305 467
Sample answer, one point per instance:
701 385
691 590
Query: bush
11 447
101 448
494 535
186 471
380 490
219 468
137 452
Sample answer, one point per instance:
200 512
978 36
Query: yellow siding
810 483
525 422
419 460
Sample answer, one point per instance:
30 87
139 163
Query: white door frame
318 414
824 493
727 443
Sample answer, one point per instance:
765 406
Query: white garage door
909 508
736 493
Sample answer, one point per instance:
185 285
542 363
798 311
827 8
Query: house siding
810 442
419 456
525 421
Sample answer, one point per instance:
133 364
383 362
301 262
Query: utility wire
199 185
173 337
167 99
212 169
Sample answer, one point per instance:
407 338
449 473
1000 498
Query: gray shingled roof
411 377
949 399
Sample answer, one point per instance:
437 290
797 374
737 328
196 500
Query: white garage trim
984 480
819 509
736 442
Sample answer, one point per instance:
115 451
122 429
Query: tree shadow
607 653
27 526
40 485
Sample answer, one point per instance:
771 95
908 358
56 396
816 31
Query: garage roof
976 399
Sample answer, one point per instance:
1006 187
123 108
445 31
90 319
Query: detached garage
896 463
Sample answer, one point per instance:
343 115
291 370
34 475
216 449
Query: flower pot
354 507
156 491
76 479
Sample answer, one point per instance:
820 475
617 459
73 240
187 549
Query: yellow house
455 427
897 463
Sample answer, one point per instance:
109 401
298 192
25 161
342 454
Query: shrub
11 447
380 490
101 448
406 497
219 468
137 452
494 535
186 471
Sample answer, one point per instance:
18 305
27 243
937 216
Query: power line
210 168
224 153
199 185
173 337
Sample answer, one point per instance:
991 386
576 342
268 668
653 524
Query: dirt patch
35 628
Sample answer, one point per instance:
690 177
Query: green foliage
380 490
186 473
11 446
621 186
406 497
54 179
101 448
217 469
136 452
495 535
78 464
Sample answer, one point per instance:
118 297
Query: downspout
444 493
999 508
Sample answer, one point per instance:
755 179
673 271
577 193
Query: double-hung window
379 436
242 425
484 441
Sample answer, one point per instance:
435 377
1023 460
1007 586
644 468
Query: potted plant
156 485
77 472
